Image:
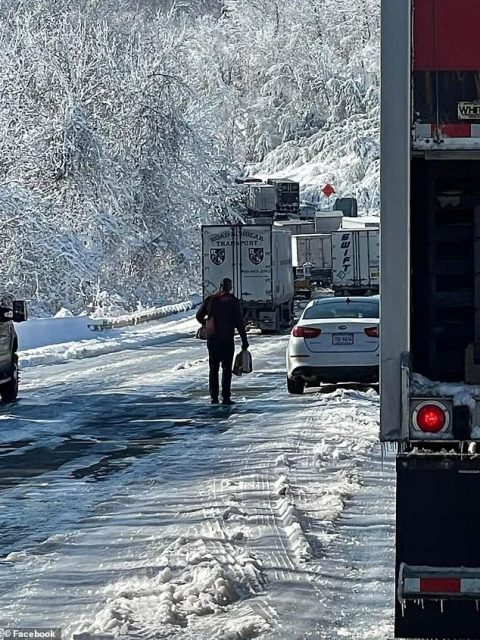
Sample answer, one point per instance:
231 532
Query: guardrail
103 324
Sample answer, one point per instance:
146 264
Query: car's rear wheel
9 390
295 386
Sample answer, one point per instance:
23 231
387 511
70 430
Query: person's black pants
220 352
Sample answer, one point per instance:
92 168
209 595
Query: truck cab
10 311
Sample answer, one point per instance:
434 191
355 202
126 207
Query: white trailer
313 248
355 262
261 198
430 309
258 260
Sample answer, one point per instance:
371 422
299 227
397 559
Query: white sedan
335 340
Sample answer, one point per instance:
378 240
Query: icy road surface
131 506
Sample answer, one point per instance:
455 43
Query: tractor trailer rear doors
430 309
258 259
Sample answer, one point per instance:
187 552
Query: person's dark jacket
226 311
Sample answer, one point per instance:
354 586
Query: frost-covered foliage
122 123
304 81
108 166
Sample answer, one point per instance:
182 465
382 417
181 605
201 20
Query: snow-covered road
131 506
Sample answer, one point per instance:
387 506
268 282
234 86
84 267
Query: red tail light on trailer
440 585
431 417
305 332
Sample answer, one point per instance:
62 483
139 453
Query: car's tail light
372 332
305 332
431 417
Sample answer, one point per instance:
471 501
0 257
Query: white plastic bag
242 363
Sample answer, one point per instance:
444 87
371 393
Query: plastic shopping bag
242 363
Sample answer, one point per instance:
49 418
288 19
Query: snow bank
39 332
56 340
192 579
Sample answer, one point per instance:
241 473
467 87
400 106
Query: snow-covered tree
122 123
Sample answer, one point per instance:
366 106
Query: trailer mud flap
438 548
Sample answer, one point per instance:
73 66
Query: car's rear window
370 309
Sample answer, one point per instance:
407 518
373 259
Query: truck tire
9 390
295 386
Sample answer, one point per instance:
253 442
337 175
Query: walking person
221 313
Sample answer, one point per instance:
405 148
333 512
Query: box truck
430 309
355 262
258 260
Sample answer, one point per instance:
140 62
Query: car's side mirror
20 313
6 314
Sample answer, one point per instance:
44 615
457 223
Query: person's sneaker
214 401
227 401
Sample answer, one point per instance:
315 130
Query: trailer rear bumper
438 583
437 547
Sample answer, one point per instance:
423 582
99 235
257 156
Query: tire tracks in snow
288 493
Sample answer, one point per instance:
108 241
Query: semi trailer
430 309
315 250
355 262
258 260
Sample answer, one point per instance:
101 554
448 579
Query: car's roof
317 301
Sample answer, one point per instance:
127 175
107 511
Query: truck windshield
343 309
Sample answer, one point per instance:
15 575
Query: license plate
342 338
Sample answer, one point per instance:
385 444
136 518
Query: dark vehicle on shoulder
10 311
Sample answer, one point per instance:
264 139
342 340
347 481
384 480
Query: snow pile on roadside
110 341
65 327
41 332
190 581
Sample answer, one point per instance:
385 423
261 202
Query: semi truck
355 262
278 197
430 309
261 199
258 260
287 195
